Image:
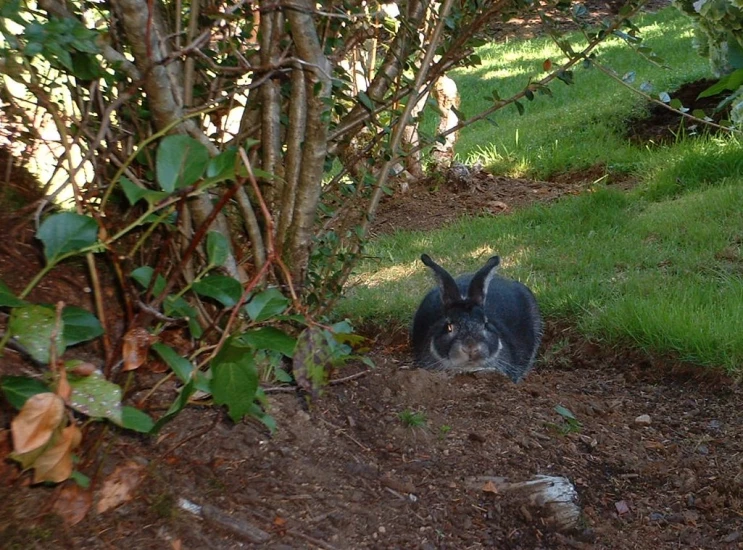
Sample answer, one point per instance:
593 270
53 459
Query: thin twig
191 436
345 379
344 432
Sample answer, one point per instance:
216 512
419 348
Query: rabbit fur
476 322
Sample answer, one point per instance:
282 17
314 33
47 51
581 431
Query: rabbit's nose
474 350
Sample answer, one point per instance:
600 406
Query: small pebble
643 420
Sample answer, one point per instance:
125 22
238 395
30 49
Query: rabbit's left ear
449 290
478 288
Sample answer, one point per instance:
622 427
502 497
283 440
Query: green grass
412 419
658 267
580 125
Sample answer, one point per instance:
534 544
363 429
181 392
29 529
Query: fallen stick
234 525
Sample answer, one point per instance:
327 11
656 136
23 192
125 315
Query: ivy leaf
79 325
176 406
180 162
33 327
134 419
217 248
266 304
18 389
181 366
134 193
222 166
176 306
7 298
270 338
96 397
66 232
235 379
226 290
143 275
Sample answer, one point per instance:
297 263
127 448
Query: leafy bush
719 36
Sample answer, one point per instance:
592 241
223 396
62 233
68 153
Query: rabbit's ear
449 290
478 288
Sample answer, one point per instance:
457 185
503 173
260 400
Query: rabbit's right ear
478 288
449 290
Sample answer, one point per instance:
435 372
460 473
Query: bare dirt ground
655 453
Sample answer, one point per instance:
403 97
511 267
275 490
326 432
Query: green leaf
202 381
176 406
66 232
181 366
143 275
234 379
181 161
222 166
283 376
80 478
7 298
217 248
32 326
460 114
222 288
18 389
729 82
79 325
85 66
266 304
134 193
366 101
176 306
519 107
134 419
95 396
565 413
270 338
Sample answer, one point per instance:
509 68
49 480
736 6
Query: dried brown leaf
622 507
119 487
33 427
55 463
73 504
64 390
135 348
83 369
490 487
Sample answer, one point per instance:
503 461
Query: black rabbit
477 322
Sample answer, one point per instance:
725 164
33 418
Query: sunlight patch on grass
386 275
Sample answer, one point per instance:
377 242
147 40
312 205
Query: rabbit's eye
449 327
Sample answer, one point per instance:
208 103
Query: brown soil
350 473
